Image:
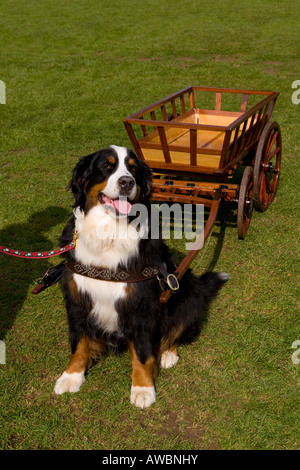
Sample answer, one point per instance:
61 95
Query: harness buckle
171 281
175 286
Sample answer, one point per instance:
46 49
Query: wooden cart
194 151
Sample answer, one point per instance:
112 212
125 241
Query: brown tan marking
142 374
171 342
111 160
86 351
92 198
72 286
81 358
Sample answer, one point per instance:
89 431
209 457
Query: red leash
52 275
37 254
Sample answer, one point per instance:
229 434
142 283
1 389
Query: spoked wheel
245 203
267 166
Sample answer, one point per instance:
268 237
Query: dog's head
113 177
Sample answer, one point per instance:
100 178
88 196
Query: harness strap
104 274
51 276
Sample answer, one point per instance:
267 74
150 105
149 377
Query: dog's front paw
142 396
69 382
168 359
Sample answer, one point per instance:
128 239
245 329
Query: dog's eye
132 167
108 166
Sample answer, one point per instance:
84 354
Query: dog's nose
126 183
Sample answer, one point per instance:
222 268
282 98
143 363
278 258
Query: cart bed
209 140
196 140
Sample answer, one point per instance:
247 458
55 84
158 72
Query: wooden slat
258 124
164 113
225 150
164 144
244 103
218 101
134 141
153 117
192 99
182 104
193 146
241 138
250 131
265 114
174 111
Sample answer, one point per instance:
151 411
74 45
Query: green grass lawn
73 71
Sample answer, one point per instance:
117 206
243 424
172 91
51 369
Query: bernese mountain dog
106 314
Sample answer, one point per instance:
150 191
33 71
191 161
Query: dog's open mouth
120 206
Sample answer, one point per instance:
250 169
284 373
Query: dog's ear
79 178
145 179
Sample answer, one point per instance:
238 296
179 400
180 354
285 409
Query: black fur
143 320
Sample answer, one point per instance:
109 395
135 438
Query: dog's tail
212 283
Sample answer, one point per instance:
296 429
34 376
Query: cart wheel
267 166
245 202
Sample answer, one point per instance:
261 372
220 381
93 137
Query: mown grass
72 73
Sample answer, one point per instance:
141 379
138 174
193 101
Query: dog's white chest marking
104 295
103 241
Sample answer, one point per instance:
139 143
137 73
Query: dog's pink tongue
121 205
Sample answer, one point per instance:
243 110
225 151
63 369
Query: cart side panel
246 132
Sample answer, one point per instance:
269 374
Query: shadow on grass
17 275
226 218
